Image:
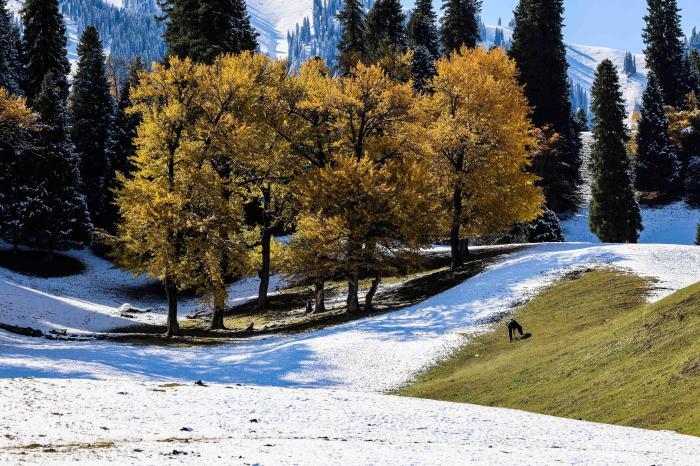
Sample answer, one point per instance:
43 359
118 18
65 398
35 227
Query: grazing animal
514 326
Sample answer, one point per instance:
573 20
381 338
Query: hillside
598 352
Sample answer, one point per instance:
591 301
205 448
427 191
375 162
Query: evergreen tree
539 52
17 124
665 50
122 146
697 236
694 64
9 55
44 48
614 212
657 166
386 33
91 118
204 29
425 41
351 48
581 120
57 214
460 24
630 67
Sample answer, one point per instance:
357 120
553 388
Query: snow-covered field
144 423
102 401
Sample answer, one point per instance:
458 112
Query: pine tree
204 29
122 147
91 118
694 63
425 41
57 213
665 50
657 166
581 120
614 212
386 34
539 51
459 24
630 68
9 55
44 48
17 126
352 48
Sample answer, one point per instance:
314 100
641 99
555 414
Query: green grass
598 353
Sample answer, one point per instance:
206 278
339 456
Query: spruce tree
44 48
57 214
122 147
460 24
657 166
91 118
351 48
9 55
665 50
581 120
614 212
204 29
386 33
424 39
539 52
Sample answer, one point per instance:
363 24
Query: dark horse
514 326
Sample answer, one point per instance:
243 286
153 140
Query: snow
310 390
274 18
584 59
135 422
90 301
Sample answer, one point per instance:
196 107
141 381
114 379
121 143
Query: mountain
299 30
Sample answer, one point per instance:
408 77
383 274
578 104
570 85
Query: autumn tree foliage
178 223
478 128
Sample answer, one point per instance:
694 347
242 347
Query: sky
611 23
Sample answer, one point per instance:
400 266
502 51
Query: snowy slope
584 59
127 422
100 401
274 18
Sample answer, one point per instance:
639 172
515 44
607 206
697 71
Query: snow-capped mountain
129 27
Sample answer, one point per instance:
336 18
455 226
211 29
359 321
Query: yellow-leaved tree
372 200
179 222
475 121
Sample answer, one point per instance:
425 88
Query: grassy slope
598 353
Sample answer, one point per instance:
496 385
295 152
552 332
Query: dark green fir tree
459 24
43 48
352 48
581 121
57 215
9 53
91 118
665 50
614 212
540 54
657 168
386 32
121 147
204 29
424 40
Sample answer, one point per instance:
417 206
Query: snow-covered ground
90 301
101 401
130 422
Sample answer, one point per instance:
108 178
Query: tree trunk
217 317
173 328
372 291
319 297
464 249
353 288
264 272
457 257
